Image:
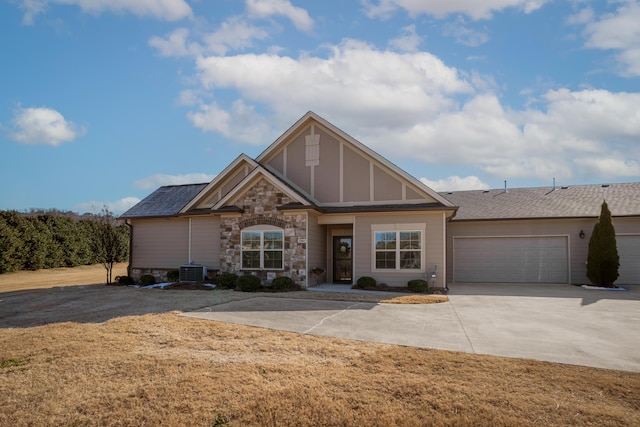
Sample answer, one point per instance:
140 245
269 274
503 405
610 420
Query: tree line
48 240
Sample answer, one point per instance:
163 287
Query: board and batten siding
433 256
205 241
160 243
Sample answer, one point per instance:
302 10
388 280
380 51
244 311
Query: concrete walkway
558 323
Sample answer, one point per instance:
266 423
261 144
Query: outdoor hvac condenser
192 273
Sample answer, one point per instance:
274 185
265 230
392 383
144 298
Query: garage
629 253
519 259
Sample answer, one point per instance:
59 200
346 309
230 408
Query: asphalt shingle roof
546 202
165 201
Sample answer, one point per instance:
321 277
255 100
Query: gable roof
575 201
165 201
258 172
309 116
242 158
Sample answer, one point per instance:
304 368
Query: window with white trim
397 249
262 249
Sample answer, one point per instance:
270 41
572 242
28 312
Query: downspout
126 221
190 262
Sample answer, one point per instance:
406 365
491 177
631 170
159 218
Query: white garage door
629 252
510 259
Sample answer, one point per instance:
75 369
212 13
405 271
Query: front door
342 257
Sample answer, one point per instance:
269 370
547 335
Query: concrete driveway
557 323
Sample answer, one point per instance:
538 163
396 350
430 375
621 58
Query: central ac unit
192 273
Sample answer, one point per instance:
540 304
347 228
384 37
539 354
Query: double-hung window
262 249
397 249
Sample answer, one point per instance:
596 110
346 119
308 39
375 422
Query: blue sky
102 101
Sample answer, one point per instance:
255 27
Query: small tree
603 260
109 243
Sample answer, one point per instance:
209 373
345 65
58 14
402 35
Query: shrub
227 280
124 280
248 283
173 275
147 280
418 285
282 283
603 260
365 282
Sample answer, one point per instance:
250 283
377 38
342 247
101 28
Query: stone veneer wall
260 207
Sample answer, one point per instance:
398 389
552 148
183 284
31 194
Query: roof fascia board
360 146
251 178
218 179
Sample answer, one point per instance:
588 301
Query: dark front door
342 256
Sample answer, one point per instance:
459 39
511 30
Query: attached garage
629 252
518 259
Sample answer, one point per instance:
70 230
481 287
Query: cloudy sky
102 101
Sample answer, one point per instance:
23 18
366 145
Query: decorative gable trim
376 158
219 179
251 179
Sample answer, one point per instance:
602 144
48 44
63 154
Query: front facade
318 200
315 199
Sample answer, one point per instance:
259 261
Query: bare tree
110 242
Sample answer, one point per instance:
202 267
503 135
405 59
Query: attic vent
485 191
605 185
192 273
564 187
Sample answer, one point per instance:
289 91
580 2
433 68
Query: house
316 197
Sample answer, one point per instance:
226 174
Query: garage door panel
511 259
629 253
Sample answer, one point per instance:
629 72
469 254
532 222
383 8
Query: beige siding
316 248
356 173
277 163
205 241
233 181
385 186
297 171
160 243
327 173
433 250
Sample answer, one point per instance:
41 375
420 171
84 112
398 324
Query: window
262 249
398 250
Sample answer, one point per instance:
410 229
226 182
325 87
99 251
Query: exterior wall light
581 234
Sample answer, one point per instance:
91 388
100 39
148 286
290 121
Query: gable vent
192 273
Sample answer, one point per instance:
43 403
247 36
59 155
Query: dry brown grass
416 299
164 369
42 279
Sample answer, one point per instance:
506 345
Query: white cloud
384 87
266 8
409 41
175 44
456 183
411 105
158 180
463 34
118 207
619 31
168 10
43 126
242 123
235 34
475 9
